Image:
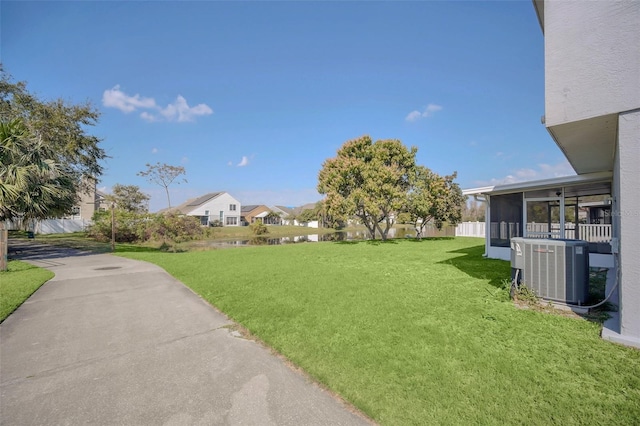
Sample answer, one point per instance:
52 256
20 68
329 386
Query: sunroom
572 207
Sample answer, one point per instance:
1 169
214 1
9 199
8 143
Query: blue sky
252 97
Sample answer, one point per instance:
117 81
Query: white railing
504 230
594 233
470 229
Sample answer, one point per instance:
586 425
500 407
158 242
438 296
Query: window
232 220
232 207
75 210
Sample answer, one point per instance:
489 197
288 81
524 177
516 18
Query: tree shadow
348 242
472 263
32 249
132 248
419 240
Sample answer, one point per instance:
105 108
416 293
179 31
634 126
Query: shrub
173 228
136 227
259 228
129 226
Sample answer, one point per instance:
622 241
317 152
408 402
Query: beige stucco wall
88 204
592 59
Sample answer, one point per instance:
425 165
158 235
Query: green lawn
417 332
18 283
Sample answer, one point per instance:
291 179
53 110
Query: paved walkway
116 341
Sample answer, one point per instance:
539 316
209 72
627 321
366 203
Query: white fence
470 229
594 233
54 226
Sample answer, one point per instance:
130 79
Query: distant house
210 208
90 200
290 215
287 215
250 213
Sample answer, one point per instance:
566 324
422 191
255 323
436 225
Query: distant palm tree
32 185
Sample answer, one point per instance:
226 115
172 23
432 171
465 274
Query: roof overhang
565 181
539 7
589 145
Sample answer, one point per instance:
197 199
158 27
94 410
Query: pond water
333 236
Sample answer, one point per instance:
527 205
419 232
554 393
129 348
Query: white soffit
589 145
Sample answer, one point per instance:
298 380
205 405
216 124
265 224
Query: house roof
576 180
254 210
201 200
247 209
192 203
286 210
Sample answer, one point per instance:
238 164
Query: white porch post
562 234
524 215
487 225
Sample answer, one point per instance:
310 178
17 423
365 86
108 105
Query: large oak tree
368 180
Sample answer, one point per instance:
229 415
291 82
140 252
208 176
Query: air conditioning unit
555 270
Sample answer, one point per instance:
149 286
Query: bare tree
163 175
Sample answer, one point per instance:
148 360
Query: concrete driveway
116 341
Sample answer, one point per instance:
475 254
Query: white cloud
543 171
413 116
427 112
154 151
179 110
115 98
184 160
230 163
243 162
148 117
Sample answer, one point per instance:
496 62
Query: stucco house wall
627 216
592 107
591 59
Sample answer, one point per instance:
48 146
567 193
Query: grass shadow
472 263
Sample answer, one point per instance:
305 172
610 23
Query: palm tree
32 185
